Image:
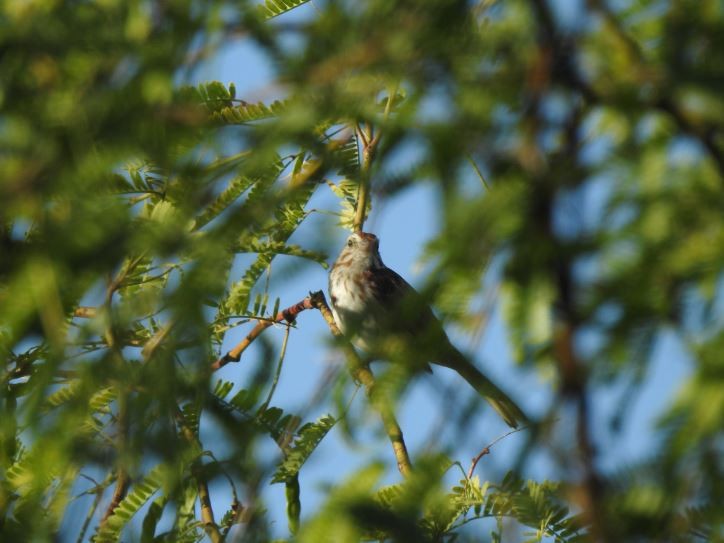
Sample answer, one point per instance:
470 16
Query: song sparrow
370 302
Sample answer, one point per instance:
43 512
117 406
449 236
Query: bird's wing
408 312
395 294
404 308
388 285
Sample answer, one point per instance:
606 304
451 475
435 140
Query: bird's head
361 249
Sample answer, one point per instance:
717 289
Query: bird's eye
350 243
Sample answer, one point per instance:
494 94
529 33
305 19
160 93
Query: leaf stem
278 372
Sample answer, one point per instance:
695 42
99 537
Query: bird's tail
505 407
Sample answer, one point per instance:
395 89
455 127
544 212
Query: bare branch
486 450
207 512
123 482
289 315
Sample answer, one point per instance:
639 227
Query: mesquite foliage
576 157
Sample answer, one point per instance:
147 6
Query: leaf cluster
576 166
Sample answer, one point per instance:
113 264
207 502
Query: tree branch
362 373
368 151
289 315
123 482
359 369
572 370
370 142
207 512
85 312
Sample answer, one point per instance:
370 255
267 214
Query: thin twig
289 315
115 284
362 135
370 142
278 371
207 512
91 512
236 504
155 341
85 312
123 480
486 450
477 169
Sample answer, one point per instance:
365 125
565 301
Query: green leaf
307 440
129 506
186 527
248 113
281 248
191 413
279 425
346 190
533 504
286 220
222 388
213 94
273 421
274 8
294 506
348 157
150 521
63 395
230 194
101 399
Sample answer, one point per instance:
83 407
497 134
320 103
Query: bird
372 303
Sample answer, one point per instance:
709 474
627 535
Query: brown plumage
370 302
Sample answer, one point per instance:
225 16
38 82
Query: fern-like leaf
280 426
100 401
222 388
214 95
535 505
308 438
348 157
191 414
185 526
346 190
287 218
129 506
230 194
150 521
63 395
388 496
281 248
238 298
273 421
274 8
247 113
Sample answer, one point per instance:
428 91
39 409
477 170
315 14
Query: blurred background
549 174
